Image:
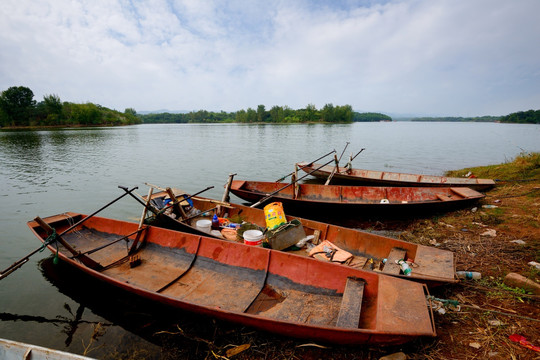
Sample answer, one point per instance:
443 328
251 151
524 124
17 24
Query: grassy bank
490 310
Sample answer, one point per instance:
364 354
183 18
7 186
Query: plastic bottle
215 223
468 275
404 267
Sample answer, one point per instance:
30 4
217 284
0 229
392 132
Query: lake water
52 171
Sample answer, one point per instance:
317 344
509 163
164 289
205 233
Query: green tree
18 105
86 114
276 114
311 114
344 113
523 117
370 117
241 116
4 120
262 115
251 115
130 111
328 113
53 104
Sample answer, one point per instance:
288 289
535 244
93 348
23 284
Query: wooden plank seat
464 192
395 254
444 197
351 304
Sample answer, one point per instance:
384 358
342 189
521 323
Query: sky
414 57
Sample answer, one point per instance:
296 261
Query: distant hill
163 111
460 119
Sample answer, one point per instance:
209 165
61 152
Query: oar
58 237
25 259
348 166
336 168
286 186
354 157
322 157
226 197
141 222
333 170
163 210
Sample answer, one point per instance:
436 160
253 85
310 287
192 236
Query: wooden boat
386 178
15 350
355 200
432 266
269 290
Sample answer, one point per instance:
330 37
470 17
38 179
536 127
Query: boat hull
386 178
15 350
433 266
268 290
352 201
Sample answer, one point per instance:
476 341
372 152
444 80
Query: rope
440 305
49 240
71 222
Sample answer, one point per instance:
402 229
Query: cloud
425 57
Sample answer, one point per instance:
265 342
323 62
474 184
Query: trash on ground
521 340
489 232
468 275
395 356
519 242
516 280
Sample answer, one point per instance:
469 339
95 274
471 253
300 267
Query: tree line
19 109
520 117
523 117
277 114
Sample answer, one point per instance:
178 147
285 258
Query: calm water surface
50 172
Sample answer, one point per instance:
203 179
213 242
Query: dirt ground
501 234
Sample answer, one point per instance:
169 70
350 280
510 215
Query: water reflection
20 145
179 334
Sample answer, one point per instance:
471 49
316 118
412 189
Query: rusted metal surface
269 290
396 179
15 350
433 266
351 200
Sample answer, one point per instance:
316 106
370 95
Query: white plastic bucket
204 225
253 237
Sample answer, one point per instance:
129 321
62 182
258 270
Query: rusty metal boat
16 350
386 178
353 201
269 290
432 266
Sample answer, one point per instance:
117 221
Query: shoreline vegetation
19 110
